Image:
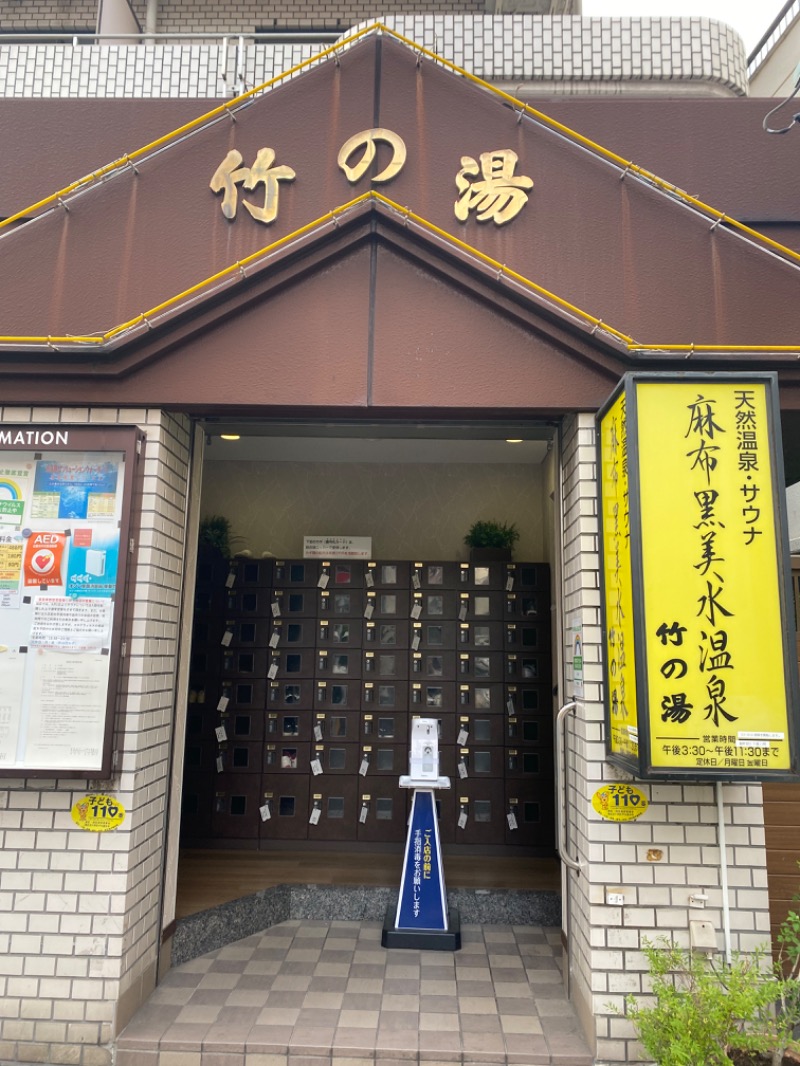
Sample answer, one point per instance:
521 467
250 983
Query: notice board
65 505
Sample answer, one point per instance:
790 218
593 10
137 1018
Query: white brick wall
558 53
79 912
671 851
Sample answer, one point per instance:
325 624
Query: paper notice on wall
67 709
14 483
11 548
43 554
12 676
85 488
73 625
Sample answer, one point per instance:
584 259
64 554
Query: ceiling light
513 440
229 436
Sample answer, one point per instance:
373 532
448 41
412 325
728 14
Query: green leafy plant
706 1012
215 533
487 534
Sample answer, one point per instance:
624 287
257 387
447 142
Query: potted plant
215 535
490 541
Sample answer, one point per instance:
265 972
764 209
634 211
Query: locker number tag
227 637
272 673
318 733
275 639
415 642
265 812
230 580
462 820
511 818
364 767
222 705
323 581
362 815
220 734
462 613
415 579
369 611
416 611
510 705
462 769
369 580
462 737
510 583
275 607
314 816
220 766
316 767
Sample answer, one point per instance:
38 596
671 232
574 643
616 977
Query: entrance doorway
306 673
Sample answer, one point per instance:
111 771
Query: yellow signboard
618 582
619 802
98 813
716 682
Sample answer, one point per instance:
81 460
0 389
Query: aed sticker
619 803
98 813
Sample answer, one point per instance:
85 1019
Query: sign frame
60 442
643 767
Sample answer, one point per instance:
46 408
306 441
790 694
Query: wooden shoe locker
305 676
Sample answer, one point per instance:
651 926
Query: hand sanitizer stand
422 919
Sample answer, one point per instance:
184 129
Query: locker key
362 815
264 811
511 817
462 817
313 818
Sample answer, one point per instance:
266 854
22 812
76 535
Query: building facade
142 296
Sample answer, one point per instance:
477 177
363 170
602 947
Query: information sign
700 668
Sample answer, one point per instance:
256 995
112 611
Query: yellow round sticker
619 803
98 813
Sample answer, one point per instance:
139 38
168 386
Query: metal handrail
561 771
91 37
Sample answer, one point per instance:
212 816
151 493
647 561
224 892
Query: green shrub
702 1007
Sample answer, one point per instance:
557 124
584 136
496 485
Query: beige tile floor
307 993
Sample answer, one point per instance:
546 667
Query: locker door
434 665
293 633
385 695
287 757
337 695
529 699
480 729
290 725
429 698
482 575
235 814
197 798
385 665
335 797
339 574
294 603
486 635
287 797
435 575
250 573
387 726
386 634
342 633
480 666
387 604
337 662
341 603
530 730
480 697
534 813
295 573
382 810
480 812
290 695
387 575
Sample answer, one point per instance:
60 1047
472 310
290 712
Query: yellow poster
618 582
711 622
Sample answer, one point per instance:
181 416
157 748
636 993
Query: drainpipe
151 17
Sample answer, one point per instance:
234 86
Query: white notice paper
82 624
68 709
12 675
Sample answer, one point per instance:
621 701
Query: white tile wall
79 912
593 53
680 824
